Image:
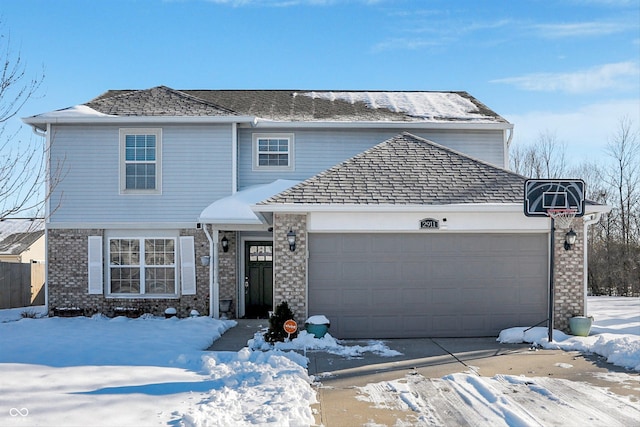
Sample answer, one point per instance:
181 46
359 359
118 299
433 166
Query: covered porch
240 253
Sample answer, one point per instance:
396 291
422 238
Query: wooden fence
21 285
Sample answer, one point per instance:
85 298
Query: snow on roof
9 226
236 209
17 234
72 112
423 105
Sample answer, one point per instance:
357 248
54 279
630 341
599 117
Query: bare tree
624 180
23 166
614 242
545 158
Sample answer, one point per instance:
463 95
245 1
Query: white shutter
95 265
187 265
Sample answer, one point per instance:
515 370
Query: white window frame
290 152
141 238
157 132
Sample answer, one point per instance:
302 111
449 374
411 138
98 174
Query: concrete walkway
338 378
236 338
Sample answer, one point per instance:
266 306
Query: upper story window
273 151
140 164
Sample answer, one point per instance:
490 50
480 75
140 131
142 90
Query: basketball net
563 217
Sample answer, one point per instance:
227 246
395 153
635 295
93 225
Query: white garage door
427 285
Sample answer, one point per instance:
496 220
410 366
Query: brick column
568 278
228 270
290 267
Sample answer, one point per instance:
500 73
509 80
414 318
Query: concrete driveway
339 380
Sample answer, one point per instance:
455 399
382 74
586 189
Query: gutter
40 121
267 124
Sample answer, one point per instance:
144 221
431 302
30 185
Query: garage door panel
384 270
387 298
325 271
445 324
474 324
395 285
416 244
443 268
357 244
353 325
324 297
354 298
415 296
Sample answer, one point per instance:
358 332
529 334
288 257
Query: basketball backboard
540 195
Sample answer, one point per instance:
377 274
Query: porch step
235 339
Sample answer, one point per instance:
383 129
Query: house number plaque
429 223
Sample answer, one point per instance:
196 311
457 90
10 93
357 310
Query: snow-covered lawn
142 372
152 371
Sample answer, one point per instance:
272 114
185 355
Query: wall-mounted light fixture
291 238
225 244
570 239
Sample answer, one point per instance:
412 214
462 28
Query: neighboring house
390 212
22 240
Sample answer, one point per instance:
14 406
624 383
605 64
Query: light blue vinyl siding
320 149
196 170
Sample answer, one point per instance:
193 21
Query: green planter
318 331
580 326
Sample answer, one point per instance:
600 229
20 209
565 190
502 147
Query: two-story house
392 213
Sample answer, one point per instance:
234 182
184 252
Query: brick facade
228 273
290 267
68 274
68 277
568 279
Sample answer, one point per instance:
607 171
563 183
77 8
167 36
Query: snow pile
615 333
254 388
318 319
306 342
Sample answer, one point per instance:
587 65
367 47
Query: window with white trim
140 160
273 151
142 266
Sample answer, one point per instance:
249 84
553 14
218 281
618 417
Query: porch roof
236 208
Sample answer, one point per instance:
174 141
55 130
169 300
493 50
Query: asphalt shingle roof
157 101
295 105
17 234
407 170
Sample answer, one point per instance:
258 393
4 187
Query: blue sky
571 68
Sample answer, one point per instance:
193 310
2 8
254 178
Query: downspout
47 209
214 284
594 218
234 158
506 147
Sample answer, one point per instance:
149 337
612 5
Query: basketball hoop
563 217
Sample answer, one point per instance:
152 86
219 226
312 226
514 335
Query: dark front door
258 298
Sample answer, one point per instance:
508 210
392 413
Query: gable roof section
157 101
18 234
407 170
301 105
